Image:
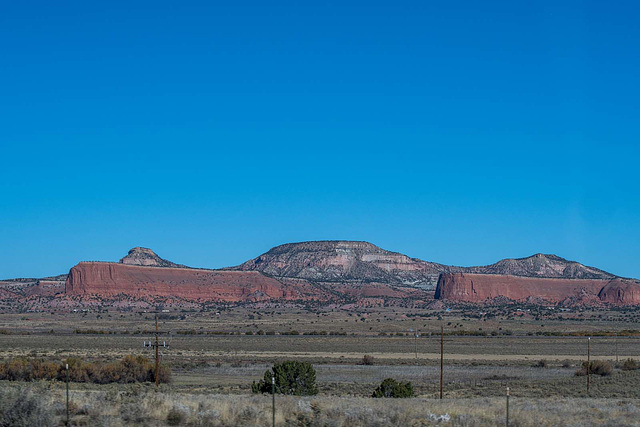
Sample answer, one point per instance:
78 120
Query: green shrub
393 388
291 377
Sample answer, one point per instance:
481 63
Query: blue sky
458 132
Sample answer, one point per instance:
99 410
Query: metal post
157 360
588 364
616 339
507 406
416 343
273 394
67 368
441 358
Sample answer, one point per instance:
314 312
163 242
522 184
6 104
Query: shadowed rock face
110 279
479 288
621 291
342 261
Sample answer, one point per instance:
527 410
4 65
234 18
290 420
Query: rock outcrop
479 288
346 272
346 261
541 265
620 291
146 257
110 279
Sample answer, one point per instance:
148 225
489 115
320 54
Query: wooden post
441 358
157 360
588 364
273 393
507 406
67 369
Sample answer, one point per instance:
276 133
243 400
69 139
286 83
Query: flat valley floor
216 354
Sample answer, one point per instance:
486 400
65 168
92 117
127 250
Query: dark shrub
630 365
367 360
393 388
177 416
293 378
542 363
23 408
598 367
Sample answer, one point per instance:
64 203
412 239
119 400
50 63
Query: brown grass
130 405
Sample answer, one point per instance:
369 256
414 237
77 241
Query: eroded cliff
110 279
480 288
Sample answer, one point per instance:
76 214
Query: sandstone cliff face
621 291
346 271
483 287
337 261
480 288
110 279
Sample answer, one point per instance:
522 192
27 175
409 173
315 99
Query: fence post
507 406
441 358
588 364
273 393
67 369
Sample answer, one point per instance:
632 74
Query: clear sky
460 132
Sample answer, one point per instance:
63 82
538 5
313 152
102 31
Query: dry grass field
141 406
215 355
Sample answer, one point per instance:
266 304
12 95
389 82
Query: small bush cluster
393 388
598 367
367 360
23 407
291 377
542 363
130 369
177 415
94 332
630 365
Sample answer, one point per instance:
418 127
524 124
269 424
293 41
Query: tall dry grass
140 405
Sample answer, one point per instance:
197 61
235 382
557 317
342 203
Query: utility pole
588 363
507 406
441 358
156 344
273 393
67 369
